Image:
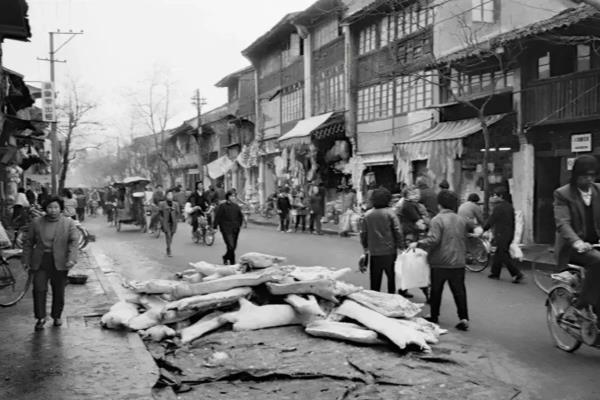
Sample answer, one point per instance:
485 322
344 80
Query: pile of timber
261 292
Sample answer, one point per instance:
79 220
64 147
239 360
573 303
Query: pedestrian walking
471 211
446 244
49 251
81 200
427 196
229 219
502 224
381 237
317 209
69 204
169 213
284 206
301 207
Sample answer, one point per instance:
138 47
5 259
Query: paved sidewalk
328 228
78 360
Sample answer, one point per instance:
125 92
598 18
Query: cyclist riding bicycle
198 205
577 217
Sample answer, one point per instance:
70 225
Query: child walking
446 244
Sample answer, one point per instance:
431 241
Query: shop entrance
547 179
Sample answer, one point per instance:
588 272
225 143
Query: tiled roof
564 19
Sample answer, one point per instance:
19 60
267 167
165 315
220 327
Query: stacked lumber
261 293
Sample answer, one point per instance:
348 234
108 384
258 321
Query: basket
77 279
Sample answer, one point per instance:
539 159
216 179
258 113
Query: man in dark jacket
199 204
317 209
577 216
381 237
229 219
502 222
284 206
446 243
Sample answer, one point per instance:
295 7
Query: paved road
507 319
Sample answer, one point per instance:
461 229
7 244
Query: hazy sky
199 41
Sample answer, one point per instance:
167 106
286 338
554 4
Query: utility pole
199 101
54 165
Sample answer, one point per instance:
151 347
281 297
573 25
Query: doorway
547 179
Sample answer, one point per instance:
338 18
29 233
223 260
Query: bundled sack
412 269
259 260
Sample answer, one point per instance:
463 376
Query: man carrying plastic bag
446 244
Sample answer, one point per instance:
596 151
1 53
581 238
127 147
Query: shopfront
454 151
556 148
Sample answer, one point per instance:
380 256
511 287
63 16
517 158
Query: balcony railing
562 99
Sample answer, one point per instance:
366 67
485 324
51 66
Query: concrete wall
455 20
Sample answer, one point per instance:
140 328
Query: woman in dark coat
169 212
49 251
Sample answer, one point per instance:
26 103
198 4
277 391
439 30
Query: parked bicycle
14 278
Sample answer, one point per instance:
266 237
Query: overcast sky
199 41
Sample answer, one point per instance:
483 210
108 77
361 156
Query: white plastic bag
412 270
515 252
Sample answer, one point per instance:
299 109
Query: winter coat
168 212
228 217
381 234
64 248
502 222
446 241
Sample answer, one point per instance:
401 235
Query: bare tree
75 128
152 109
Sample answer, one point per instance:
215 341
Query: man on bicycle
199 205
577 217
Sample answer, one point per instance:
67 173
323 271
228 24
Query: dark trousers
502 258
456 280
230 237
58 280
80 214
284 220
379 265
315 222
169 232
301 220
590 291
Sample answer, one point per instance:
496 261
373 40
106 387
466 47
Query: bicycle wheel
478 256
560 316
14 281
209 236
196 236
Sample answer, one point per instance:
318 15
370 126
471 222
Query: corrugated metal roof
564 19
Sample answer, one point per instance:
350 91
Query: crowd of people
434 222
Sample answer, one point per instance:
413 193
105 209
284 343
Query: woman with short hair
50 249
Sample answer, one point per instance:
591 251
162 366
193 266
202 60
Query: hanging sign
48 104
581 143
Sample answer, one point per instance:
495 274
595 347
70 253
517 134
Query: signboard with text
581 143
48 103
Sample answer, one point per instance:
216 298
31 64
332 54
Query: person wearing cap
577 217
502 222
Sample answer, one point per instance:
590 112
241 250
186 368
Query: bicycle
204 233
479 253
14 278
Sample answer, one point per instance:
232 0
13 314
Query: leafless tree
75 127
152 108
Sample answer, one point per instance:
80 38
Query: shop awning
300 134
439 145
453 129
375 159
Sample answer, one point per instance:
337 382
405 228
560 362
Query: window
291 50
414 92
464 84
387 30
328 90
325 33
413 18
583 57
483 11
543 66
367 39
292 103
376 101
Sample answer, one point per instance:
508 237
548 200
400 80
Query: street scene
332 199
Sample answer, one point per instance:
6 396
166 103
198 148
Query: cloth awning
300 134
439 145
219 167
